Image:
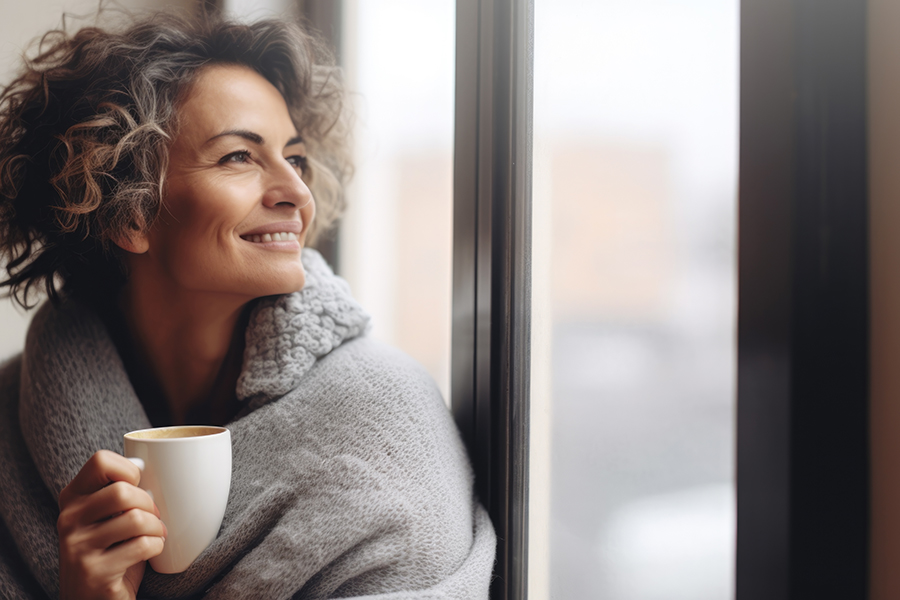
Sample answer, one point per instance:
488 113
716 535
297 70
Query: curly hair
85 130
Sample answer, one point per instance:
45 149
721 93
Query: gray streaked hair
85 130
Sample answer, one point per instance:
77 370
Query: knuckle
143 543
149 546
84 562
142 521
111 590
64 523
64 496
104 460
134 519
121 493
98 459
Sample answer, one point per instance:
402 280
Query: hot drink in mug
187 471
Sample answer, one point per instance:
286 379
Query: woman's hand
108 529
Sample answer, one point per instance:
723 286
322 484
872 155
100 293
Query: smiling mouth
284 236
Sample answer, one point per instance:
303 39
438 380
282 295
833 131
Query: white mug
187 470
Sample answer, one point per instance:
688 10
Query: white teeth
281 236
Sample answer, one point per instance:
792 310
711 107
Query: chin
286 285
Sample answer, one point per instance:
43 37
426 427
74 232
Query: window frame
803 324
491 330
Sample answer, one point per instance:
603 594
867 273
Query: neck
189 342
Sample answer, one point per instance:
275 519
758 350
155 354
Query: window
635 189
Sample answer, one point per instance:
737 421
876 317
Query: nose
285 189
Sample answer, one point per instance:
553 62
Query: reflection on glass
635 195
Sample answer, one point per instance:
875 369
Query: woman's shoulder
381 375
366 397
371 357
64 327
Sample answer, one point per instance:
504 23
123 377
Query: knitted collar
286 334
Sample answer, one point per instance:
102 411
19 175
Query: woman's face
236 211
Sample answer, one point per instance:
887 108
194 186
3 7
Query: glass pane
396 239
635 179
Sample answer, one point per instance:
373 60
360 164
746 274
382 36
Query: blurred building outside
635 168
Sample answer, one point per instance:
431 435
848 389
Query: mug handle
139 463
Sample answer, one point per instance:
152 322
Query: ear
132 240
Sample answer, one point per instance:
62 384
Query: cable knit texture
287 334
349 478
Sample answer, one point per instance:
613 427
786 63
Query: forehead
224 97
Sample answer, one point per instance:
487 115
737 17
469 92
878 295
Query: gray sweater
349 477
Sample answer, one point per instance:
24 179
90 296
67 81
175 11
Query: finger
133 576
101 469
113 499
130 524
134 551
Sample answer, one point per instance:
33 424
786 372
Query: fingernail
165 531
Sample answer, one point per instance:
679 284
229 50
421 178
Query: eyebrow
253 137
241 133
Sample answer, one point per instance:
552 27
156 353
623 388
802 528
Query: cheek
186 237
207 216
308 215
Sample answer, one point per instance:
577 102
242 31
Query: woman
158 183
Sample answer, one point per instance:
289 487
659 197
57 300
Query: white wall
23 22
251 10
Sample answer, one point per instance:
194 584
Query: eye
298 161
241 156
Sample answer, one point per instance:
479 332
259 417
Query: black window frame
490 357
803 324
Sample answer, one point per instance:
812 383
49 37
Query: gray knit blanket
349 477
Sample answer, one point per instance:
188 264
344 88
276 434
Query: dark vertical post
209 7
803 302
491 266
325 17
764 300
830 467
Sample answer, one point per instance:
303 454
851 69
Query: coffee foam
168 433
